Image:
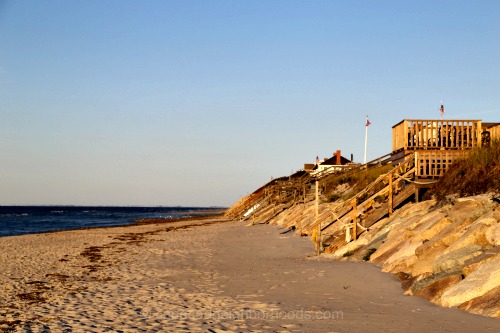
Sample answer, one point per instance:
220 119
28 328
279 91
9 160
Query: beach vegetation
333 197
477 173
348 254
368 254
356 182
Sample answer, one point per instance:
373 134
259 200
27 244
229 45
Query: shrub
368 254
478 173
333 197
348 254
356 180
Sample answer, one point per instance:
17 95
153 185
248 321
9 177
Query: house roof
489 124
333 161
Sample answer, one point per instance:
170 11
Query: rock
472 264
419 208
371 247
492 235
485 278
385 251
403 259
464 209
474 235
432 287
406 250
351 247
446 236
407 281
430 226
401 265
400 233
455 260
485 305
426 259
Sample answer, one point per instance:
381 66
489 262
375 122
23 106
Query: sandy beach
203 276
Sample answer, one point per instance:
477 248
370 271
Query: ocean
21 220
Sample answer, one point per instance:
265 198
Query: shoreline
199 275
197 215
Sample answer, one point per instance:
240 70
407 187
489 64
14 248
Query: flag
367 122
441 109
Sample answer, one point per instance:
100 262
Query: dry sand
221 277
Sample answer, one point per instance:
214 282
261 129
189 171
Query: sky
201 102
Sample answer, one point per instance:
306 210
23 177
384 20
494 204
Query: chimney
337 160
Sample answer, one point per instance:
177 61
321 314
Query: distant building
336 163
309 167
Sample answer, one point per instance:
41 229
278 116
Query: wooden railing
364 200
494 132
383 160
334 169
415 134
434 163
284 190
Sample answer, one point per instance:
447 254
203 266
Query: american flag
367 122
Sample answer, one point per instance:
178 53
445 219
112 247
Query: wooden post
390 194
253 215
354 219
416 194
318 238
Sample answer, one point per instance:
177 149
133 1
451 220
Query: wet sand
215 277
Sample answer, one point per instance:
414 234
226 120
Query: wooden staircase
377 200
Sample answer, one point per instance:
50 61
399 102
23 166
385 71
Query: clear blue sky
200 102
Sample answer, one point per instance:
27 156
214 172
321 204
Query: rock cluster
448 254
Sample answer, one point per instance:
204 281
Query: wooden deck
436 144
419 134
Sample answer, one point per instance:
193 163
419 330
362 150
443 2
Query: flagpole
366 138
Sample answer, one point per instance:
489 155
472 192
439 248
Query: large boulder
485 305
485 278
470 265
371 247
436 246
426 259
350 248
492 235
417 208
433 287
401 265
400 231
474 235
455 260
429 226
403 259
469 208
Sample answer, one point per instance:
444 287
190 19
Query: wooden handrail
409 158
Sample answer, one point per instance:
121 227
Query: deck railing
434 163
494 132
415 134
